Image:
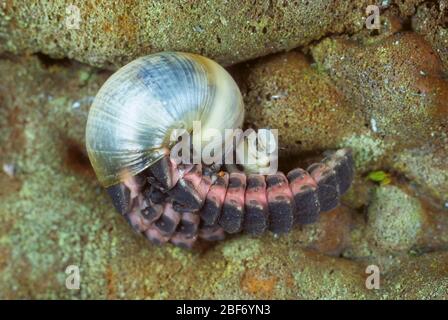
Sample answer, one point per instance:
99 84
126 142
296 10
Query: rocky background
309 68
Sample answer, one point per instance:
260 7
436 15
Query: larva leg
327 186
212 233
136 221
155 236
280 202
152 212
231 218
182 241
214 200
256 205
304 190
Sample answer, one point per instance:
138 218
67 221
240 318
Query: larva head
134 114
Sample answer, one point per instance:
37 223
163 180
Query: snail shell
138 107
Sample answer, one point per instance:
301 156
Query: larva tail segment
327 185
343 164
155 237
182 241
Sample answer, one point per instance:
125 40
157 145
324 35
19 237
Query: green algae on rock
426 167
368 149
429 279
394 218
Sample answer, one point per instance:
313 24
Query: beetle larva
128 143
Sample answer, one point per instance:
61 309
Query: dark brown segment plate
304 190
121 197
280 202
232 215
327 186
165 173
256 205
215 197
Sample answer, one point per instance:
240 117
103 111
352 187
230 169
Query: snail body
128 140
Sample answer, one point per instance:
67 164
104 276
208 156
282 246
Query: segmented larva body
127 129
206 204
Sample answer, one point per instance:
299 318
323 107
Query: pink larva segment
121 197
189 224
304 190
136 221
204 187
231 218
343 164
281 203
256 205
169 220
211 210
155 236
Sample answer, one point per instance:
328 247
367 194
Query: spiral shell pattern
135 111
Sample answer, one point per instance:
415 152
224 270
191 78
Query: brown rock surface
54 214
114 33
